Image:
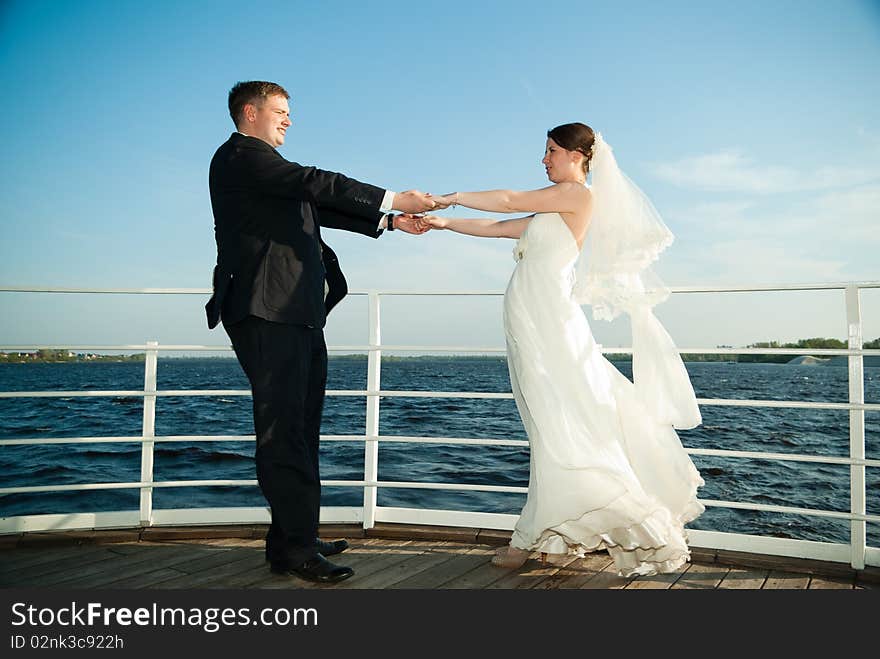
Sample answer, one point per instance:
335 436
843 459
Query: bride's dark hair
575 137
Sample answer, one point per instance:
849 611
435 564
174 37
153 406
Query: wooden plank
784 563
336 531
67 564
159 566
247 578
378 555
416 532
703 555
84 537
121 566
367 558
390 575
9 542
576 573
251 543
147 579
360 549
779 579
238 561
202 559
361 553
467 558
129 565
493 537
871 574
744 579
702 576
206 558
476 578
135 547
663 581
24 559
68 569
530 574
607 579
831 583
197 532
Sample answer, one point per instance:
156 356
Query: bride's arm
559 198
485 228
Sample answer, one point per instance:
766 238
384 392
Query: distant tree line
806 344
53 355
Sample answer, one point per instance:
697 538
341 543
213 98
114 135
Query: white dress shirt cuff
387 202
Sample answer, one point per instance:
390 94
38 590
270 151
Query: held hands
413 201
420 223
410 223
445 201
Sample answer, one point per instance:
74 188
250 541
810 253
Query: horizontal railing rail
746 288
425 348
856 552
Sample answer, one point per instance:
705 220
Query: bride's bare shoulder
574 188
579 195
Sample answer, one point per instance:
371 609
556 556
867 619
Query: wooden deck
386 557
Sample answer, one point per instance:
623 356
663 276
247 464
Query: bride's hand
444 201
435 222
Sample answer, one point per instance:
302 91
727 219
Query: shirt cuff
387 202
383 222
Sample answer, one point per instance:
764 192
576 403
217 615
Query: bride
607 469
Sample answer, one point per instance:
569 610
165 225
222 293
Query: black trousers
287 369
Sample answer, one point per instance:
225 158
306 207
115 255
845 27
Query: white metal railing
855 552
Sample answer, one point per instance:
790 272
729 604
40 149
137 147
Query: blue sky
752 125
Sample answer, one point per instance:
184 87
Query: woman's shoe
510 557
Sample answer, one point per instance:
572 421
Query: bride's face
560 164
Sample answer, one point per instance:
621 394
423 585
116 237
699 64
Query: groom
274 283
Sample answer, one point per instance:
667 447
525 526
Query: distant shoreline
804 360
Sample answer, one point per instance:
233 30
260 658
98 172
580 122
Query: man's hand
414 224
413 201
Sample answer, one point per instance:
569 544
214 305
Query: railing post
856 427
149 431
371 446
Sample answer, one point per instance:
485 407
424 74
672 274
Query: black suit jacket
268 214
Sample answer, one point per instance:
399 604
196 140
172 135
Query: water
820 432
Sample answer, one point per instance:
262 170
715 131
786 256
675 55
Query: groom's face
270 120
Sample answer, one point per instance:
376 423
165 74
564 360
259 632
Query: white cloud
862 202
753 261
732 171
723 216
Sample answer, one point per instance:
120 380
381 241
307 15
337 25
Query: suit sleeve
330 218
271 174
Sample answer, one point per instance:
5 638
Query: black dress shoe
316 568
331 548
326 548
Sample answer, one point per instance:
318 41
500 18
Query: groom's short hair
254 92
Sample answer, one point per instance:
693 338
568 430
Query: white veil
613 275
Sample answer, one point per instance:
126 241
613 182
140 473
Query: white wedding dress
607 469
